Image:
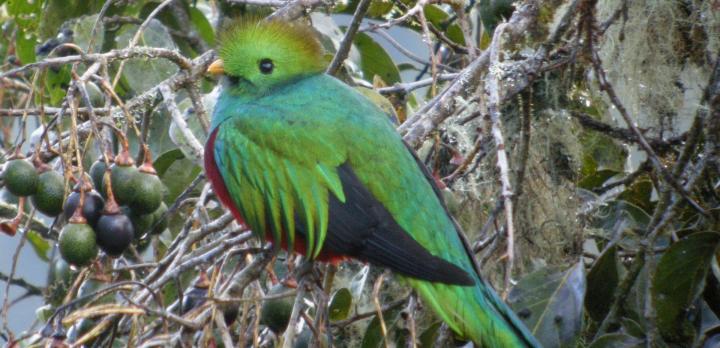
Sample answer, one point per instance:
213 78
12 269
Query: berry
20 177
114 233
77 244
146 189
48 198
97 173
141 223
121 174
197 295
160 222
275 313
92 208
145 193
114 230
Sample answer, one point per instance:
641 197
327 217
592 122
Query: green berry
160 222
50 193
20 177
77 244
275 313
146 191
97 173
121 178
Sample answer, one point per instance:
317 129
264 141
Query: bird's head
258 55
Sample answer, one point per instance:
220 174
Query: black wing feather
363 228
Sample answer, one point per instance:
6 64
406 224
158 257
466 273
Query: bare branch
110 56
422 122
347 41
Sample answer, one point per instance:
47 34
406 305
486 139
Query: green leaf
202 25
632 327
602 281
494 11
39 244
82 32
617 340
26 13
437 17
429 336
373 335
553 302
164 161
618 212
25 47
601 151
596 179
340 304
639 193
679 281
177 177
56 14
379 8
56 83
374 60
144 73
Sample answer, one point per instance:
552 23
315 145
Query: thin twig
13 268
138 34
294 9
347 40
289 335
31 289
196 148
615 100
405 88
492 85
378 308
110 56
524 147
426 119
274 3
624 134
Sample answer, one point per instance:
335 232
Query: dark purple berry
114 233
92 209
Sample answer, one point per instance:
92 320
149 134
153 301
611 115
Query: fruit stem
202 282
108 157
111 206
77 217
147 166
123 158
16 153
10 227
39 165
82 184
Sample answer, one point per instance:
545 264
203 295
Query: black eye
266 66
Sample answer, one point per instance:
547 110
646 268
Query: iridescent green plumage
303 156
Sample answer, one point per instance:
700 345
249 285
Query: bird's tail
476 312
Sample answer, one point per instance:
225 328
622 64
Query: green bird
310 164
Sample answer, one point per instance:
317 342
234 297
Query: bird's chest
213 174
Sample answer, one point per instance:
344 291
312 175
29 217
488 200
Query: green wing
270 183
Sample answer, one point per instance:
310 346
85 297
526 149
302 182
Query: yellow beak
216 68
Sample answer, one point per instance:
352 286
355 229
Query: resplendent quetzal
308 162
